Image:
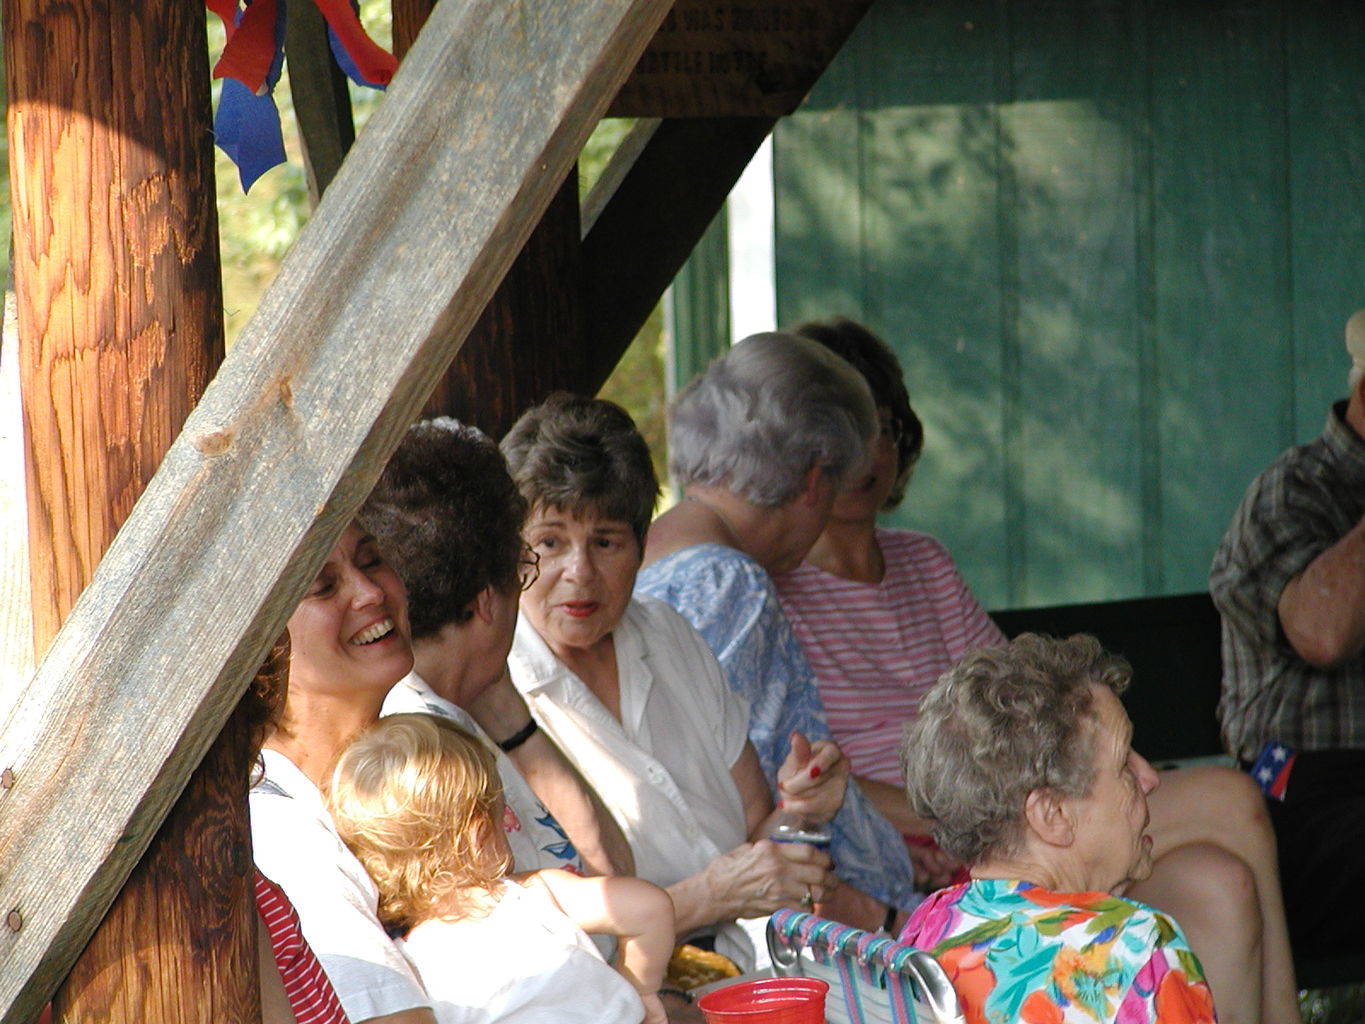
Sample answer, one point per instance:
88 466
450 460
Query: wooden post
322 102
115 264
408 18
120 329
530 340
174 946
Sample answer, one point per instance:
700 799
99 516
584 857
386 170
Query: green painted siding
1115 245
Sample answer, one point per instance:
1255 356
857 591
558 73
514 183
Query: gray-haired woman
761 443
1022 757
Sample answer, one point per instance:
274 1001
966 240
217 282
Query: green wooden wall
1114 244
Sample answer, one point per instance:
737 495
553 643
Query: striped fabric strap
863 961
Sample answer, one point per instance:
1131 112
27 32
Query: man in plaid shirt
1289 580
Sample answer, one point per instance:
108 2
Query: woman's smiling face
349 634
587 573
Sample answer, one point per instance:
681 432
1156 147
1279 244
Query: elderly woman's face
1112 819
587 573
349 633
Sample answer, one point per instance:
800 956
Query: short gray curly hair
759 417
998 725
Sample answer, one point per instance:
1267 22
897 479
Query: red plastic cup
767 1001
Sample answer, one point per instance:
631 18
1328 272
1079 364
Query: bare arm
836 900
501 712
275 1008
1322 609
813 780
752 880
635 911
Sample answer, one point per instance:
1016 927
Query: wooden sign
736 58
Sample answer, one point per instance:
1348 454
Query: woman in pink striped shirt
882 613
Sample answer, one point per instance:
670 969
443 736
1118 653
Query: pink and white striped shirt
877 647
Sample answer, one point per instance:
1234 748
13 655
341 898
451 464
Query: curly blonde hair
416 798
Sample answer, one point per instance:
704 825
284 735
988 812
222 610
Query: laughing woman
349 647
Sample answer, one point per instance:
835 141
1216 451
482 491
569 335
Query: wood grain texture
408 18
16 597
481 125
743 58
179 943
115 262
117 349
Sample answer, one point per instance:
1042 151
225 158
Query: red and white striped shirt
310 994
877 647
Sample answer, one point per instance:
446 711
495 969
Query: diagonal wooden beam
647 219
482 123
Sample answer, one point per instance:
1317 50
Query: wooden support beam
648 219
742 58
530 340
482 123
120 329
322 102
115 264
178 945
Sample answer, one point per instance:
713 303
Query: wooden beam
120 328
481 125
178 945
653 217
115 264
530 340
408 18
322 102
742 58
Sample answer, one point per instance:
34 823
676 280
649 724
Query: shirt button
656 774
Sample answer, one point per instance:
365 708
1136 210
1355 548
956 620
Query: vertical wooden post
530 339
120 326
408 18
115 260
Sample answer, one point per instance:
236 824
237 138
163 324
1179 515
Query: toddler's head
418 800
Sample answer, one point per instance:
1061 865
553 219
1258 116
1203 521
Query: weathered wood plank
655 215
482 123
744 58
322 103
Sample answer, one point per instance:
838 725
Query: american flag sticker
1272 768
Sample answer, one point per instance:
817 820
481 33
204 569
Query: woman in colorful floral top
1021 756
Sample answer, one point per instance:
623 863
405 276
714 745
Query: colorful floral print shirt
1018 952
